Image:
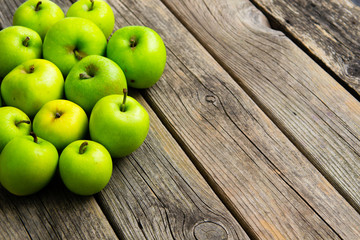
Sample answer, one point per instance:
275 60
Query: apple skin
40 20
88 172
100 13
32 84
120 132
71 39
12 125
142 64
106 78
14 50
61 122
26 166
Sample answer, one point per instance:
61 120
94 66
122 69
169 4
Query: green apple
18 44
13 123
97 11
92 78
38 15
32 84
85 167
27 164
119 123
61 122
141 54
71 39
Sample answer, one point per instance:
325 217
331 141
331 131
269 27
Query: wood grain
271 188
182 207
309 106
53 213
157 193
329 30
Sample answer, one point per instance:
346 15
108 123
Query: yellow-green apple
38 15
32 84
27 164
61 122
97 11
85 167
141 54
13 123
18 44
71 39
120 123
92 78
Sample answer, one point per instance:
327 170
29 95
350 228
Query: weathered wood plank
266 182
157 193
11 226
309 106
329 30
53 213
180 205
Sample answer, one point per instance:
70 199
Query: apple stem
57 115
34 136
92 5
26 41
22 121
84 75
133 42
122 107
32 68
77 55
83 146
37 8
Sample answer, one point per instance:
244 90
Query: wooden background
255 130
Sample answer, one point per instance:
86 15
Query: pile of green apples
65 106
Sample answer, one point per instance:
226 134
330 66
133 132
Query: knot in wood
354 69
210 98
210 231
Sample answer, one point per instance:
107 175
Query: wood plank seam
212 183
217 189
276 25
268 112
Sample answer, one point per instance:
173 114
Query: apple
119 123
71 39
85 167
61 122
18 44
141 54
13 123
27 164
92 78
38 15
97 11
32 84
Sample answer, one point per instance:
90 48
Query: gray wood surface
53 213
252 147
328 29
266 182
157 193
320 117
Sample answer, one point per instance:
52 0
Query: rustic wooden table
255 130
